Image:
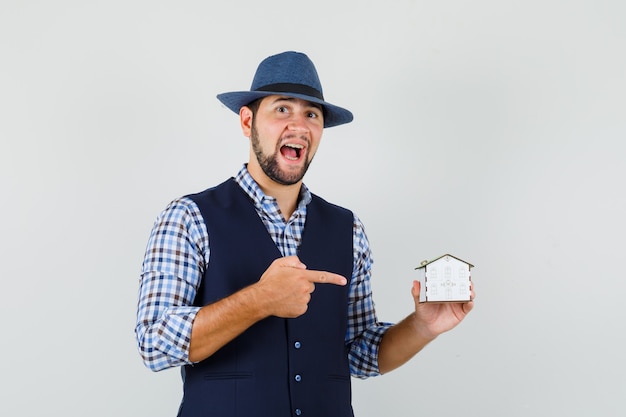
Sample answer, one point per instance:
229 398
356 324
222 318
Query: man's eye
313 115
282 109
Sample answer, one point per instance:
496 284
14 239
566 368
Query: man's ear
245 119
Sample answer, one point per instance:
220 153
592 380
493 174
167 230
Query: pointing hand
286 286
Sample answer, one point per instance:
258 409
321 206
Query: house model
445 279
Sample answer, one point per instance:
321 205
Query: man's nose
297 123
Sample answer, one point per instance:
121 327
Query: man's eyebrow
292 99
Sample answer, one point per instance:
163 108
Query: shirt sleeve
172 270
365 332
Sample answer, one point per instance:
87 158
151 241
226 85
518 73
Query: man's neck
286 195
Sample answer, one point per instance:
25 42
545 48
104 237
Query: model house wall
444 279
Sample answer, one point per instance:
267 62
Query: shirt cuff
363 354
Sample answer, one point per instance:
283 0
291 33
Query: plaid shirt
174 265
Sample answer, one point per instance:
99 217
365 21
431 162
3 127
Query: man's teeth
294 154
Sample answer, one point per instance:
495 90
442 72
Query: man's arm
170 331
171 272
284 290
405 339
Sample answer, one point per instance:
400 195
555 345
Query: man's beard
269 163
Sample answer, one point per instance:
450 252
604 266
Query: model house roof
426 262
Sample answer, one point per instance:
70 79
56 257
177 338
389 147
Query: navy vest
278 367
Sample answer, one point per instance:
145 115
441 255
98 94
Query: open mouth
291 151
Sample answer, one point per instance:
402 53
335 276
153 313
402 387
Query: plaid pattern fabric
175 261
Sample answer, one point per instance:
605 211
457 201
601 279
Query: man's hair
254 105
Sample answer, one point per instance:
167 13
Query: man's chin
283 180
288 177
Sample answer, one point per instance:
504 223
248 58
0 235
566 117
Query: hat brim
333 115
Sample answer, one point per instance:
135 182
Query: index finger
325 277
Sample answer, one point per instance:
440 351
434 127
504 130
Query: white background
491 130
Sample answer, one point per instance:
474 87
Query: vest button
298 378
297 411
297 345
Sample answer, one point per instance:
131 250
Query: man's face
284 135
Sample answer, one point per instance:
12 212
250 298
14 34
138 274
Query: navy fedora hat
290 74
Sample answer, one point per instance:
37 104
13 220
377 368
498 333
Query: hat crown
286 68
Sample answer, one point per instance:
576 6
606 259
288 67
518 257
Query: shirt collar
258 197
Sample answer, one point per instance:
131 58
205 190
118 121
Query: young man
259 289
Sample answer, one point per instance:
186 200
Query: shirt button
298 378
297 411
297 345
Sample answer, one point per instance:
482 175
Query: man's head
284 114
284 133
290 74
